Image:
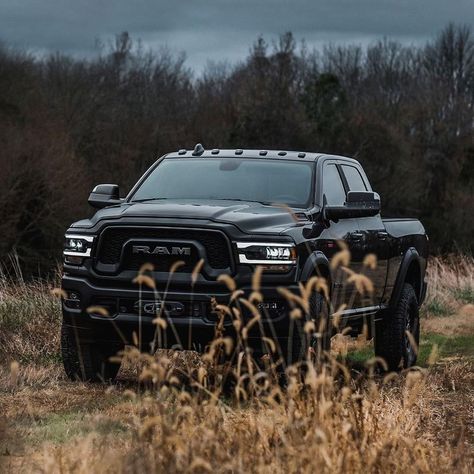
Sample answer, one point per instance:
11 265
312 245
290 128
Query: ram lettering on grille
160 250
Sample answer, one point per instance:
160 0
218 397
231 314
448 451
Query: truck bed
399 227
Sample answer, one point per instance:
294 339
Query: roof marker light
198 150
239 152
301 155
215 151
182 152
282 153
263 152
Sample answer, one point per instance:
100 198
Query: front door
372 239
344 231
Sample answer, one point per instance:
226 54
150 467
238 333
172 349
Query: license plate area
152 308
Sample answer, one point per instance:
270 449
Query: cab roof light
263 152
182 151
215 151
282 153
239 151
198 150
301 155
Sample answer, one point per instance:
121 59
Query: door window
354 178
333 187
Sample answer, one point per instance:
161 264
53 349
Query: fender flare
411 255
313 265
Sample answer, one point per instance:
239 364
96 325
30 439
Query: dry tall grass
180 416
29 321
371 427
451 284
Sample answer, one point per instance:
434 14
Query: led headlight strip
266 253
78 245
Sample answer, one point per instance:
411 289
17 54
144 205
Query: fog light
73 260
73 300
276 268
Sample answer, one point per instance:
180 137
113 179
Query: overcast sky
221 29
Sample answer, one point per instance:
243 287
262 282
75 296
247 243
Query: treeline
405 112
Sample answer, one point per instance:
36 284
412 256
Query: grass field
347 417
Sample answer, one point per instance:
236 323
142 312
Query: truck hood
249 217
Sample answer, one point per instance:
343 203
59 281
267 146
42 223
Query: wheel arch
316 264
410 272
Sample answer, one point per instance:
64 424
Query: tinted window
220 178
354 179
333 187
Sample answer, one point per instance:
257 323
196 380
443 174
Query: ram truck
198 214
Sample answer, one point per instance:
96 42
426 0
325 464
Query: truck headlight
76 247
266 253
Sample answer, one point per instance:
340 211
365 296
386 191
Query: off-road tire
301 342
391 341
86 361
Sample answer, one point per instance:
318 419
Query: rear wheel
397 336
87 361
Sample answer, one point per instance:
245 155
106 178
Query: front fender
316 264
411 257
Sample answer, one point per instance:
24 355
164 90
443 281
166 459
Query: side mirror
104 195
358 204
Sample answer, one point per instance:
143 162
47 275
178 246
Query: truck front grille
113 239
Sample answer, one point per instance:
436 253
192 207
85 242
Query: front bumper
193 328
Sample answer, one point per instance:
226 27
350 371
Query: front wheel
397 336
89 362
318 342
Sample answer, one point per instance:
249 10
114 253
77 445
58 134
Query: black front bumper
194 328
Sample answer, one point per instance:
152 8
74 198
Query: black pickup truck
226 212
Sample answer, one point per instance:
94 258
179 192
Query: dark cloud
221 29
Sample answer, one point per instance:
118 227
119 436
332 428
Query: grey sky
221 29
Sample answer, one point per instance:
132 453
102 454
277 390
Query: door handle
356 236
382 235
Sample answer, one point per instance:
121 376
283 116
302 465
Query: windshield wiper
147 199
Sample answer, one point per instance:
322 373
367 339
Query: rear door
372 236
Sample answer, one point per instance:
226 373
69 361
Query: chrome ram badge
161 250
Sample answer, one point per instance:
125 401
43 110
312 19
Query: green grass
448 346
360 356
466 295
436 307
59 428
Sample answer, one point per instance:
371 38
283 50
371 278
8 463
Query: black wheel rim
411 327
319 344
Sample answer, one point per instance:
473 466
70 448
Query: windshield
242 179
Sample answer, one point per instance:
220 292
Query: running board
366 311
